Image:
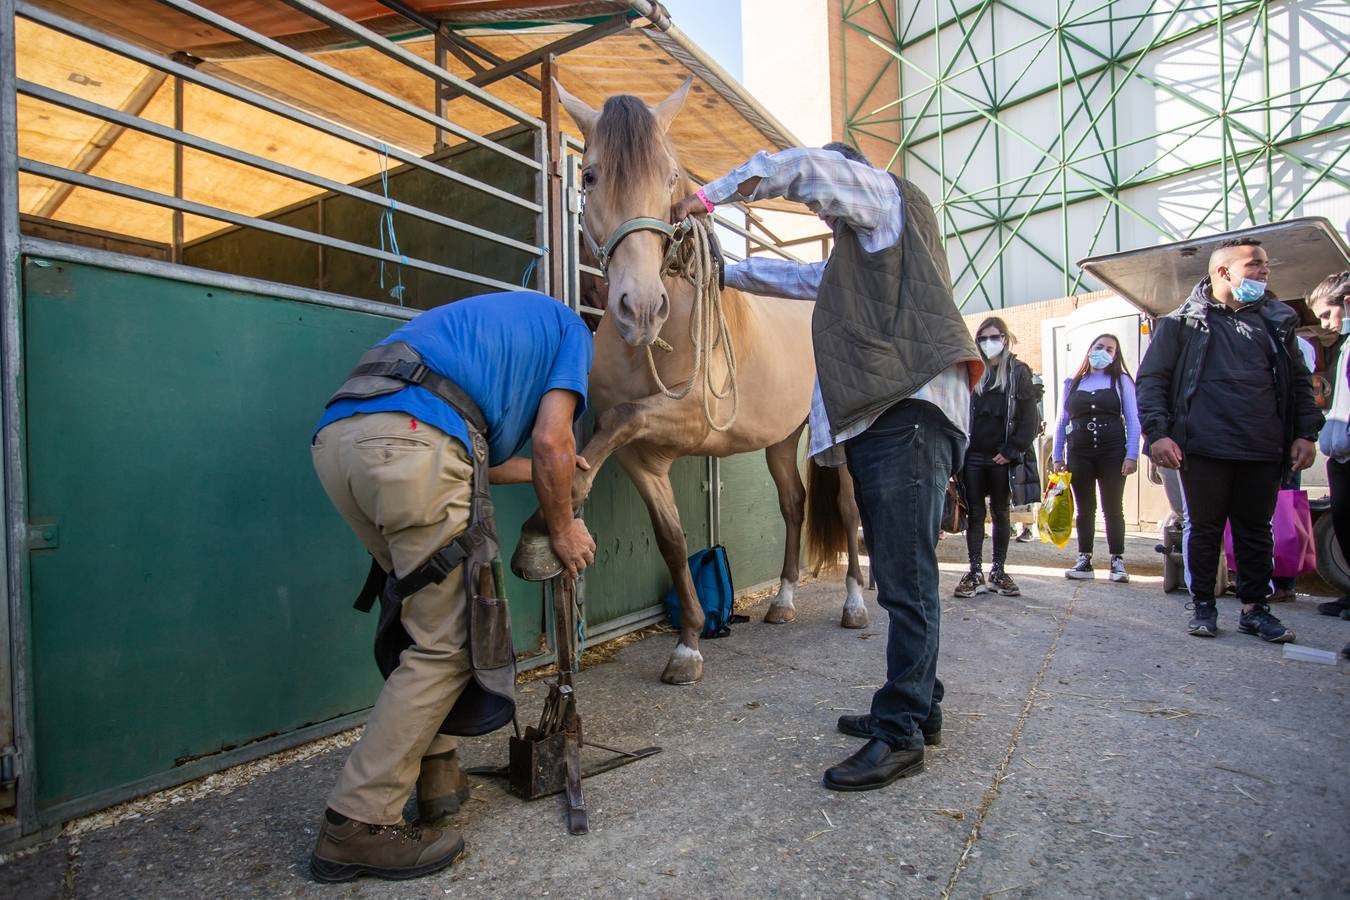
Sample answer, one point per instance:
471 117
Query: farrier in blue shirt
504 350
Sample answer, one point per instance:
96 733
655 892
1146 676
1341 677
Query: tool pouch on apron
488 702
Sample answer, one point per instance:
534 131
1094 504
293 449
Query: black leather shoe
861 726
874 766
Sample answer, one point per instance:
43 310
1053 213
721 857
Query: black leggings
986 480
1091 472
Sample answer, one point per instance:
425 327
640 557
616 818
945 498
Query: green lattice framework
1016 115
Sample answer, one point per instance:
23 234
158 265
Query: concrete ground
1090 749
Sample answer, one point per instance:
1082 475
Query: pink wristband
707 204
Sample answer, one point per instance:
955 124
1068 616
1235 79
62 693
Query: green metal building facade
1046 132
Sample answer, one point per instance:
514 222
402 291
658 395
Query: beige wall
1025 321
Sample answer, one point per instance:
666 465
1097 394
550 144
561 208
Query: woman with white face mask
1003 427
1099 429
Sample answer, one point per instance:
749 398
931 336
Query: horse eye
588 178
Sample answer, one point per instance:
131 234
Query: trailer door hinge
9 767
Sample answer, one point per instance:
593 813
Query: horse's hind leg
652 479
782 459
855 610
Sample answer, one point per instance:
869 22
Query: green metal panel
190 591
751 523
629 574
195 592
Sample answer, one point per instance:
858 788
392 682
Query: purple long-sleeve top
1097 381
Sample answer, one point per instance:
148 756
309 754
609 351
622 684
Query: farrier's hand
1129 467
1166 453
574 546
689 206
1301 454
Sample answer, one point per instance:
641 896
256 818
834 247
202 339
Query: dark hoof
534 559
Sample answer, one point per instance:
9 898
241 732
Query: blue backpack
712 582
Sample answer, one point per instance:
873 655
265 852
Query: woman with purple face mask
1099 429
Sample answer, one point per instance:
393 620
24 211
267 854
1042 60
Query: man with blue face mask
1225 396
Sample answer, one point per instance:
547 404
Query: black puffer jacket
1170 372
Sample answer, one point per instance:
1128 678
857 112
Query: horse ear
669 108
578 109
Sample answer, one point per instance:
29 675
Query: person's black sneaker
861 726
1118 573
1081 569
970 584
1265 626
1001 583
1334 607
1205 622
1025 536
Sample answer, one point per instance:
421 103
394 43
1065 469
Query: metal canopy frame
913 108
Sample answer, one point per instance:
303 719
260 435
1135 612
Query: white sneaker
1118 572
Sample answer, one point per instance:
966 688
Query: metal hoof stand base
547 759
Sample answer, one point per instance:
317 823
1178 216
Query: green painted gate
190 588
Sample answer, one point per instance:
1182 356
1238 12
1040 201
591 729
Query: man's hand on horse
574 547
686 207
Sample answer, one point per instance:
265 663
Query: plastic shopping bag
1056 515
1292 531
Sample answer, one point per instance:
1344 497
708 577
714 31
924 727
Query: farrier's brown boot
347 848
442 787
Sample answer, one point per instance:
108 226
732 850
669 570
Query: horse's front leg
651 476
654 420
855 610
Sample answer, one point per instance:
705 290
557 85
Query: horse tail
826 534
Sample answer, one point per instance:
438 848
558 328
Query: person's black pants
1243 493
1338 480
981 481
1091 472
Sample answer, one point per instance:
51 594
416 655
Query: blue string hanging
388 239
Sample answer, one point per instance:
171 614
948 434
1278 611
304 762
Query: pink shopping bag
1291 527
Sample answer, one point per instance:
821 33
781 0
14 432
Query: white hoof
685 666
855 610
782 610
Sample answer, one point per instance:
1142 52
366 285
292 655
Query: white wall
786 64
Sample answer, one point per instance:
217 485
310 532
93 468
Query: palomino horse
758 352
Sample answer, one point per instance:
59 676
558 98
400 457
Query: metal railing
183 70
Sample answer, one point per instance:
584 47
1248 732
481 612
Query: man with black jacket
1224 396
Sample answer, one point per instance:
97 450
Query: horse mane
630 148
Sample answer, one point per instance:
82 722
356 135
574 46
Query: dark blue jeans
900 467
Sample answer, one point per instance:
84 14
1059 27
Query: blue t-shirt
504 350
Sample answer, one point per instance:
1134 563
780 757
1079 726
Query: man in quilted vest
895 364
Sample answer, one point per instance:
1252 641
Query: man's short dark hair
1240 242
848 151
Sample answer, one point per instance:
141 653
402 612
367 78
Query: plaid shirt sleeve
864 198
770 277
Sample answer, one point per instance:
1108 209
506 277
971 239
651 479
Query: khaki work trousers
404 487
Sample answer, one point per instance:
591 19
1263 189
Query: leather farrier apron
488 701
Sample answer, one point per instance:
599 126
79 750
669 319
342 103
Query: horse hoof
855 617
685 666
534 559
781 614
